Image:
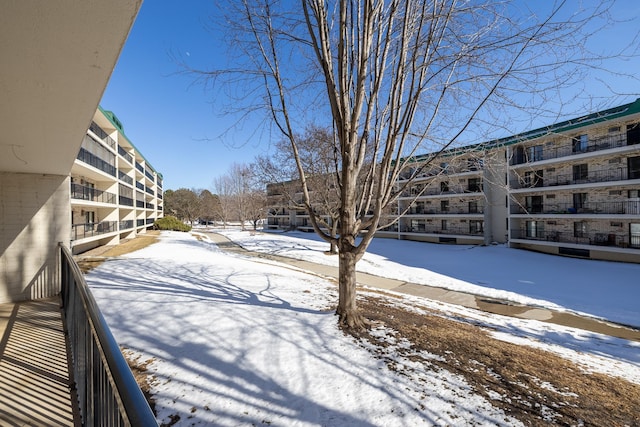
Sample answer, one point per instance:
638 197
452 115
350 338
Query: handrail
108 394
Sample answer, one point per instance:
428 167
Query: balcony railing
623 207
125 178
451 210
125 155
602 175
149 221
91 159
126 224
100 133
593 238
461 231
149 205
139 222
149 190
83 192
139 185
139 203
439 191
569 149
90 229
149 174
107 392
139 167
125 201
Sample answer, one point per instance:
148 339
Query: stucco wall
34 216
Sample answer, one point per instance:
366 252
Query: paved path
490 305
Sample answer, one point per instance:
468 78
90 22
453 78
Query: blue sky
174 121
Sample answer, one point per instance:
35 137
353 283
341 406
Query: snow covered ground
241 342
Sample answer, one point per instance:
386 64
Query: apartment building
571 188
115 192
455 197
575 186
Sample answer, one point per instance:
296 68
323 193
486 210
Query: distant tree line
238 197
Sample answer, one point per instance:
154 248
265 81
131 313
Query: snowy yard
240 341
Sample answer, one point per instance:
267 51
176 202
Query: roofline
120 129
564 126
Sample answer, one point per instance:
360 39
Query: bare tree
396 78
222 186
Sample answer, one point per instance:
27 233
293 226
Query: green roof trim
564 126
118 125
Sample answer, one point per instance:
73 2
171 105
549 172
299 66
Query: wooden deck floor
34 370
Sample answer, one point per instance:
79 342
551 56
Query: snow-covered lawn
237 341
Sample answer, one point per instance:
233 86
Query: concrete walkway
486 304
35 387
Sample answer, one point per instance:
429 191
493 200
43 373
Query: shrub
171 223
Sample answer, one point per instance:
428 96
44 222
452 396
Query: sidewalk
489 305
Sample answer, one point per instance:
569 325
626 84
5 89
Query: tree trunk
350 317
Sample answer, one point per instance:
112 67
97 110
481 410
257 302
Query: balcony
100 133
593 238
622 207
91 159
125 201
125 155
139 167
451 210
126 224
524 155
475 230
91 229
83 192
602 175
125 178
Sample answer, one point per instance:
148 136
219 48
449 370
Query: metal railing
123 153
107 392
83 192
476 230
90 229
622 207
100 133
124 177
126 224
601 175
91 159
448 210
569 149
621 240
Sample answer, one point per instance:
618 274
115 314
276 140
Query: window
579 144
580 172
473 206
475 185
535 229
534 178
633 167
476 227
580 229
634 194
534 204
534 153
444 225
579 200
444 186
444 205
